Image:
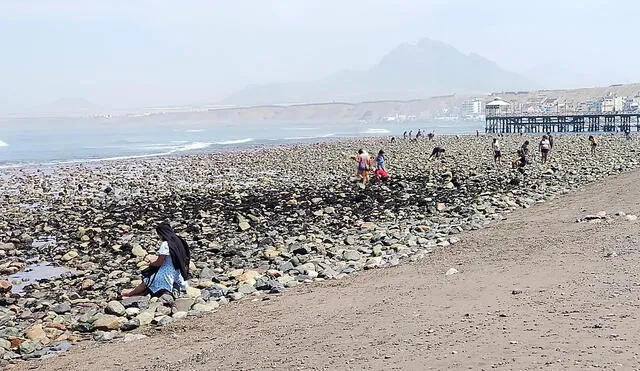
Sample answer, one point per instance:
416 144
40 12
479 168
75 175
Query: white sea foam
311 137
376 131
172 150
236 141
3 144
194 130
194 146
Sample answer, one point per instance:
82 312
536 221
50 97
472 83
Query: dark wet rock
141 302
61 308
83 327
131 324
166 299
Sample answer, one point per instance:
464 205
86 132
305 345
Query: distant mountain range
428 68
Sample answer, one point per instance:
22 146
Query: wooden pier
562 123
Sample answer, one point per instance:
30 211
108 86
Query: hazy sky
130 53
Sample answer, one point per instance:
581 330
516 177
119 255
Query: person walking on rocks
497 153
544 148
550 141
364 165
404 135
594 144
170 270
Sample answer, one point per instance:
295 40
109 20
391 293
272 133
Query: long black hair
178 248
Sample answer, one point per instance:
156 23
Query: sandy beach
297 268
536 290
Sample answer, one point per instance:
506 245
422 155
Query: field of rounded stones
258 222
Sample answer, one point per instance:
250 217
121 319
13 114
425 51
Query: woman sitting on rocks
170 270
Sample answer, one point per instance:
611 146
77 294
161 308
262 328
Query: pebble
138 251
36 333
108 322
183 304
163 320
131 324
28 346
115 307
61 308
351 255
144 318
133 337
5 286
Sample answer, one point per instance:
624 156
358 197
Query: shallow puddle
34 273
44 240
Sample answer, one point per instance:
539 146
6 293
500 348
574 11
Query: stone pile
258 223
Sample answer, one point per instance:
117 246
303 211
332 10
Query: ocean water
48 141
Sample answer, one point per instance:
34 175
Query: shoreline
307 221
251 148
177 153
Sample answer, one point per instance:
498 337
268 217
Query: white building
471 107
610 105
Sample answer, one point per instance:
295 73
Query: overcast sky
130 53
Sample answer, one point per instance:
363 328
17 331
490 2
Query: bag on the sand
149 271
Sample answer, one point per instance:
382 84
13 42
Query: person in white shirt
545 146
497 153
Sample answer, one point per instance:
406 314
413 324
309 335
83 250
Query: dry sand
577 309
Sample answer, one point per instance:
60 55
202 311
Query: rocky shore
258 223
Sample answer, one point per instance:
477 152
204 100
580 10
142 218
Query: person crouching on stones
437 152
523 156
170 270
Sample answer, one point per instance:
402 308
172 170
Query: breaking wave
236 141
193 146
376 131
311 137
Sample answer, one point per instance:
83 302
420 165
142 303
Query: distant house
497 107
